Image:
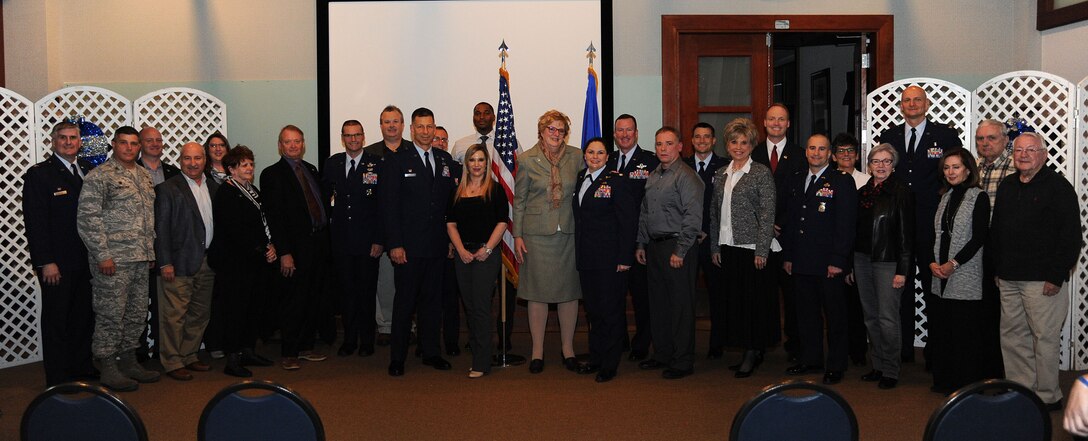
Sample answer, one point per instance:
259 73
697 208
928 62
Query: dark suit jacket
605 222
285 205
819 224
790 160
380 150
354 208
239 240
637 170
919 171
168 170
415 203
50 199
707 176
179 229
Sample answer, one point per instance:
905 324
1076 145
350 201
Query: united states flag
504 165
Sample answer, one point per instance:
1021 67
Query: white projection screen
444 55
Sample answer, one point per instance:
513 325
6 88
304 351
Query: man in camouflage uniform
116 220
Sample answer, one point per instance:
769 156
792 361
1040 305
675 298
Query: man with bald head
920 143
183 232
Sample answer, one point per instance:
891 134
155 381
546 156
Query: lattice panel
1077 321
106 108
20 307
182 115
949 104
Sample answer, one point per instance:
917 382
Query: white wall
1064 53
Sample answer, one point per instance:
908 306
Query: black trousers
672 305
419 291
451 306
242 290
816 295
640 302
358 275
303 299
67 321
715 292
605 303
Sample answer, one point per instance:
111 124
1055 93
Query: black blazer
819 224
891 228
380 150
605 222
179 228
637 169
707 176
415 202
285 205
353 205
790 160
50 199
919 171
239 240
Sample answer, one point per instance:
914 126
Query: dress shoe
637 355
235 366
396 369
714 353
198 366
887 383
345 350
652 364
605 375
476 374
180 374
801 369
588 368
312 356
873 375
453 351
437 363
832 377
251 358
290 364
366 350
383 339
676 374
571 364
1054 407
536 366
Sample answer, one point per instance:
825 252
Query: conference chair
259 410
989 410
794 410
81 412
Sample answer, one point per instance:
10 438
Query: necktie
483 140
623 162
351 170
585 186
702 166
913 141
774 158
75 172
311 200
427 163
811 181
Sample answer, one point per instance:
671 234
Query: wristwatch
487 250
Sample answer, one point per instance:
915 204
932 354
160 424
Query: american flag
504 165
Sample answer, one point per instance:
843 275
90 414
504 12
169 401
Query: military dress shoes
396 369
605 375
437 362
676 374
651 364
801 369
832 377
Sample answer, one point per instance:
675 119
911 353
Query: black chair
280 414
795 410
79 411
989 410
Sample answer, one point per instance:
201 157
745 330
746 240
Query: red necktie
774 158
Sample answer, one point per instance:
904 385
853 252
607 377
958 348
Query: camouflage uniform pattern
116 220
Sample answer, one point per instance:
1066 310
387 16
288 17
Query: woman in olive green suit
544 234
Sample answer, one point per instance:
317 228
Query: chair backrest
989 410
795 410
80 411
280 414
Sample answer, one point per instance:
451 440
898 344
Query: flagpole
503 358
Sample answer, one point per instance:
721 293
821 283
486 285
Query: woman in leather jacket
882 257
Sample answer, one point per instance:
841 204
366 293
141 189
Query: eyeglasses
846 150
1029 150
556 130
880 161
353 135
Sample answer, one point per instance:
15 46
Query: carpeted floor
358 400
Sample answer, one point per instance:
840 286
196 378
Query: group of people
775 226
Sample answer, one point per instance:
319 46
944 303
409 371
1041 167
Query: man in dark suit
298 223
160 170
920 144
415 193
183 232
391 123
351 182
50 197
635 164
706 163
451 293
818 246
784 157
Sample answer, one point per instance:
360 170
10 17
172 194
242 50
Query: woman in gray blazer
543 233
741 236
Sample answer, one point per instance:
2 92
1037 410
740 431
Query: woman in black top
240 253
476 222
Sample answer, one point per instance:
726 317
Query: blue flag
591 118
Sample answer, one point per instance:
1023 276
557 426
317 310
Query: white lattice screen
182 115
1078 324
949 104
19 295
106 108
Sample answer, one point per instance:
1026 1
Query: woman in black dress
240 254
476 222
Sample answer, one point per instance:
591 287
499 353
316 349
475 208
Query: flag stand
504 359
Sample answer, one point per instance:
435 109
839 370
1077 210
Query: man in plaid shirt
995 162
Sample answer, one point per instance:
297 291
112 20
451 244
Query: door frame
672 26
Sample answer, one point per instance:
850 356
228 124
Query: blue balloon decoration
1016 126
96 146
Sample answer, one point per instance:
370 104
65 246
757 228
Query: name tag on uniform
603 191
409 175
824 192
60 192
639 174
371 178
934 153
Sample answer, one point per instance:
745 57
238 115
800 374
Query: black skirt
751 300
